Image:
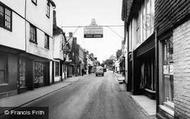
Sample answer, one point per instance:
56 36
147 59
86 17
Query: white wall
16 5
36 14
38 49
16 37
58 41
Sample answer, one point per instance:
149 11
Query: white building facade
26 40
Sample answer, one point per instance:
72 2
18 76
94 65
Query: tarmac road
92 97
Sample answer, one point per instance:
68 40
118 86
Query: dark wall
12 74
169 13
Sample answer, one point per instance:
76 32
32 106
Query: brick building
172 27
170 47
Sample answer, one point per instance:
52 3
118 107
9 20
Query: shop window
38 72
46 45
33 34
56 68
5 17
3 69
168 70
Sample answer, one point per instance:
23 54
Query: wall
16 5
141 24
37 15
181 70
58 42
16 37
38 49
169 12
12 74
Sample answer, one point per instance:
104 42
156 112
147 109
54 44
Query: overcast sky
80 12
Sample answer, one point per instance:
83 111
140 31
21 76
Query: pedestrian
82 72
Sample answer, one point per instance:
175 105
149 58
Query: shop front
143 69
166 77
33 72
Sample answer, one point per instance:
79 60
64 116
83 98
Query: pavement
148 105
32 95
86 97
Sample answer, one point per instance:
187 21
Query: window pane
46 45
1 16
7 12
33 34
1 11
7 18
7 25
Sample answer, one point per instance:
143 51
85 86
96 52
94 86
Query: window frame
57 69
46 41
3 25
35 35
167 76
34 2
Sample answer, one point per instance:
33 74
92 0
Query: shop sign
93 30
166 69
171 70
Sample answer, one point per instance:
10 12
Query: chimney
70 34
54 19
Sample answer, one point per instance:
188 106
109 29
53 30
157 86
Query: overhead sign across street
93 30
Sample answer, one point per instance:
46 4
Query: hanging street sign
93 30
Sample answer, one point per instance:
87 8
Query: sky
81 12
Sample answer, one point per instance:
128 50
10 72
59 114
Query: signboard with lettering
93 30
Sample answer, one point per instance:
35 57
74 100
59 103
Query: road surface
92 97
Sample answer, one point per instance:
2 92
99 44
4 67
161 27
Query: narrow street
92 98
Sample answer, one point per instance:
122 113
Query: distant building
60 53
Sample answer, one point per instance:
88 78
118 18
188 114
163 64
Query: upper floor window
5 17
46 45
48 9
34 1
33 34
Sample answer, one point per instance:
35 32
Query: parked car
99 71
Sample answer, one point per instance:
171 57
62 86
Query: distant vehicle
99 71
105 69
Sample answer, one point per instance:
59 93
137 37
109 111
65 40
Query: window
48 9
3 69
56 68
34 1
5 17
168 70
33 34
46 45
